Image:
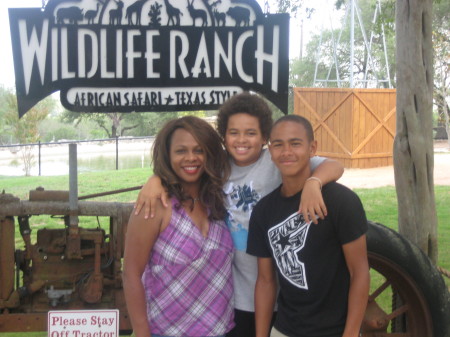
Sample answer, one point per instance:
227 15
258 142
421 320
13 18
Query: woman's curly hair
216 164
249 103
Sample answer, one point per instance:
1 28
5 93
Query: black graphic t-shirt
311 268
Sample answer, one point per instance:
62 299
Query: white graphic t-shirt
286 240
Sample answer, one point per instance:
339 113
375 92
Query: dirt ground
384 176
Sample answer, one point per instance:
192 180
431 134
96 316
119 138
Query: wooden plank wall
354 126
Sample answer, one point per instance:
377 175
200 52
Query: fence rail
14 148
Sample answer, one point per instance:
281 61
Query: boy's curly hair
249 103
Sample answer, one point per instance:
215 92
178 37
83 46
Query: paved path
384 176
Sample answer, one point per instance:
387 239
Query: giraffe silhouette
172 12
91 14
136 7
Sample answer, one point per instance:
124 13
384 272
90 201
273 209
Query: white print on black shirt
287 239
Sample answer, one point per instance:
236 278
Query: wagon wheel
408 295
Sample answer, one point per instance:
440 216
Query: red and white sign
83 323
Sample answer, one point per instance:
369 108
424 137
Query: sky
6 60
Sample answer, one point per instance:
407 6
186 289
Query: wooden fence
353 126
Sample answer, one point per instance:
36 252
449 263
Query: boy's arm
149 195
311 203
355 253
265 296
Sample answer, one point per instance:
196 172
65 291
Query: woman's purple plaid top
188 281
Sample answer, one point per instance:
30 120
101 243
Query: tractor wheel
408 295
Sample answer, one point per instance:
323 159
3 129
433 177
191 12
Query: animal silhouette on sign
220 17
197 14
73 14
115 15
91 14
173 14
135 8
216 3
239 14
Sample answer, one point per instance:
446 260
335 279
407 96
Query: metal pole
301 39
352 40
73 184
385 49
39 155
73 244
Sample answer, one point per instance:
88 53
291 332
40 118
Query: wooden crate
353 126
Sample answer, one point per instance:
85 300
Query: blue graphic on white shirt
239 235
241 199
286 240
245 197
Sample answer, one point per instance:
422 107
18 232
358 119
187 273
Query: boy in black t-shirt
322 269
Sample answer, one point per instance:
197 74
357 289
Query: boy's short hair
249 103
299 120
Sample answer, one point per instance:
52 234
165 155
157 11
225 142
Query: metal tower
366 81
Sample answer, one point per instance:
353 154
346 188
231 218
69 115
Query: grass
381 206
380 203
88 183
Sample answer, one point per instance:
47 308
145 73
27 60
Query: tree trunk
116 118
413 145
126 128
210 12
102 12
113 131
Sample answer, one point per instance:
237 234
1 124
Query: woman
177 268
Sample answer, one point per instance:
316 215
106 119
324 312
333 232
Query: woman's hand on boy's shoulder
149 195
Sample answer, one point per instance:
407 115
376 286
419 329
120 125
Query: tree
3 127
154 121
413 144
321 46
114 123
25 130
441 47
122 124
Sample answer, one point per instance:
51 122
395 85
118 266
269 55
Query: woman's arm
150 193
140 237
312 205
356 258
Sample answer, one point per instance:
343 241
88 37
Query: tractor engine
63 268
61 278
